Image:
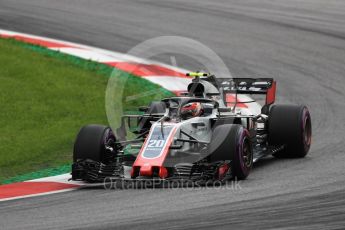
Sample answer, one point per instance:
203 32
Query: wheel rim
247 153
307 131
108 135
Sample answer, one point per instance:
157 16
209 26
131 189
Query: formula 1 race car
216 131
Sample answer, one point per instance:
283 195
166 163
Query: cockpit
183 108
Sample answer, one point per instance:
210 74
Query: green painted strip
39 174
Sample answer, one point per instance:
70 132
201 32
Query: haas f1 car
215 131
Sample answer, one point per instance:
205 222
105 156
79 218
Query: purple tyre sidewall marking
240 147
306 140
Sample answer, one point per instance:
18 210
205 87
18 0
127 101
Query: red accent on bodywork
36 41
146 170
271 94
163 172
222 170
146 165
231 100
145 69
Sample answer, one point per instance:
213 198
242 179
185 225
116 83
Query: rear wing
266 86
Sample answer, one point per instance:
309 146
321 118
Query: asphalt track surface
300 43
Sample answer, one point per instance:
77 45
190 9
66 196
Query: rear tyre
290 125
232 142
91 142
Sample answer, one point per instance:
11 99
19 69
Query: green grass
45 98
62 169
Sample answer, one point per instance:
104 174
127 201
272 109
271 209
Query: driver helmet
193 109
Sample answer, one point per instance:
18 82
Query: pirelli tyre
232 142
290 125
91 143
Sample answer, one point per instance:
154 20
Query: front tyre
91 143
290 125
232 142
